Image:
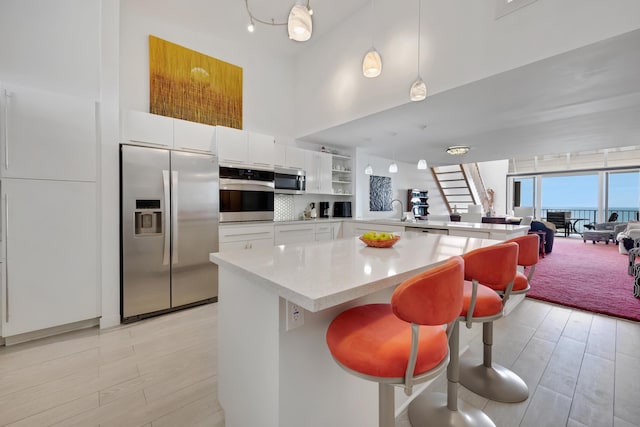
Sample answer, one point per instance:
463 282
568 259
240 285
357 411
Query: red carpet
586 276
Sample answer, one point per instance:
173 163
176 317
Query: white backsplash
287 207
284 208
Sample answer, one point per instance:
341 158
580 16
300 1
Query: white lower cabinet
49 243
324 232
296 233
247 236
351 229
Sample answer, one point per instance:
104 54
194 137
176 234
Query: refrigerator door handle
174 216
167 234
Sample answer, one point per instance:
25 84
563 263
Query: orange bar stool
495 267
402 343
528 258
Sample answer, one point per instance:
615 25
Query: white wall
461 42
51 45
268 80
494 176
408 177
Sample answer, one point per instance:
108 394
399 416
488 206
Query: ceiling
228 19
585 99
582 100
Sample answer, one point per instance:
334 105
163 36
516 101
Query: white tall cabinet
48 150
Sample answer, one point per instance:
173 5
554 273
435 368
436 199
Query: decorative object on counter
488 199
189 85
368 170
299 24
377 239
457 150
418 91
380 193
310 212
372 63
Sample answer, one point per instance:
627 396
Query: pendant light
422 163
393 167
418 90
372 62
300 25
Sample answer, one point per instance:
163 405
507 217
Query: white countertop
451 225
320 275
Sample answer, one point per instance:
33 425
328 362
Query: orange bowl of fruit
379 239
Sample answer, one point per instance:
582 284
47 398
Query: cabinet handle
195 150
6 262
296 230
8 95
167 201
248 234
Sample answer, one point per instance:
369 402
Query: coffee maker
324 210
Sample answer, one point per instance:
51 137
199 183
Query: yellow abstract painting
189 85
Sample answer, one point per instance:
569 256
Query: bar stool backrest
494 266
433 297
528 249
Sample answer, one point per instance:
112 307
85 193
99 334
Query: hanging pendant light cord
419 19
273 22
373 14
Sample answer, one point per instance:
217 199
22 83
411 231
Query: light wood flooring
582 370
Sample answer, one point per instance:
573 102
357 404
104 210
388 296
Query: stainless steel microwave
290 181
246 194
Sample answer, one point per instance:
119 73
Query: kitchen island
451 228
274 369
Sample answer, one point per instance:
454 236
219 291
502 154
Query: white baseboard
56 330
109 321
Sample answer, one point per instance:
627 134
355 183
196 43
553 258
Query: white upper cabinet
295 158
47 135
261 149
239 147
139 127
145 128
193 136
289 157
233 145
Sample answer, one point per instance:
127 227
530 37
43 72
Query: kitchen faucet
402 217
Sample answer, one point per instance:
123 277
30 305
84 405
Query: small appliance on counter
324 209
310 212
342 209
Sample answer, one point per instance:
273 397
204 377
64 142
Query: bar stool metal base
496 383
430 409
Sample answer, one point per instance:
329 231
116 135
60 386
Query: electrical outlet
295 316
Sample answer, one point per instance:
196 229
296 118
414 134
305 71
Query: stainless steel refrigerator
169 225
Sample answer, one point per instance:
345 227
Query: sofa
549 230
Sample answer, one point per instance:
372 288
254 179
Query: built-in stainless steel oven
246 194
290 181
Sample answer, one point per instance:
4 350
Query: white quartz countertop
320 275
446 225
